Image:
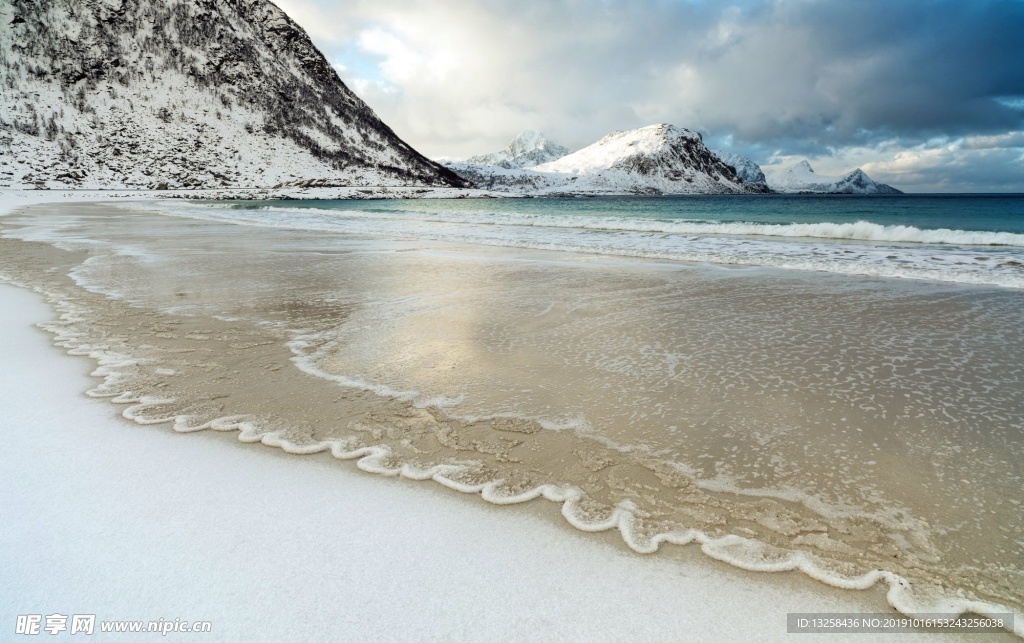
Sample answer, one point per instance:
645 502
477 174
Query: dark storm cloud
853 72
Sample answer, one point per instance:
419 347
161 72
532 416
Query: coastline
133 522
673 551
355 355
16 197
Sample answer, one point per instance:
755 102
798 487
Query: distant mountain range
233 94
658 159
746 169
183 93
801 179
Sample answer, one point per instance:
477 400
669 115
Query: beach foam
128 523
378 450
856 231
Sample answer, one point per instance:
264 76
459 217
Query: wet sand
750 413
122 521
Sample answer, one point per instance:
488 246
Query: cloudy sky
926 95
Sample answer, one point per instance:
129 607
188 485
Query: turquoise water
959 239
993 213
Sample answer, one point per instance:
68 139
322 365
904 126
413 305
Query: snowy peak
183 93
801 178
657 159
663 143
747 171
527 149
529 142
857 182
798 174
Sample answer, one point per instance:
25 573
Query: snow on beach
127 522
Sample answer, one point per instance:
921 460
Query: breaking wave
861 248
857 231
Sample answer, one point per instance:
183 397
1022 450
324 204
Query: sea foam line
797 255
734 550
856 231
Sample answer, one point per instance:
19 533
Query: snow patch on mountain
802 179
183 94
507 170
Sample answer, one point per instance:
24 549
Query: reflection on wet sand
845 425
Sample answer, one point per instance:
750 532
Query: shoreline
283 442
15 197
137 527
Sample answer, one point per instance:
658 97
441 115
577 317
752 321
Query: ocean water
965 239
829 384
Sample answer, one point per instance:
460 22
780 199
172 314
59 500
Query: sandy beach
405 321
187 525
137 523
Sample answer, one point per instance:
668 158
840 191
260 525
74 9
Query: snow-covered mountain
506 170
527 149
745 169
501 179
658 159
801 178
183 93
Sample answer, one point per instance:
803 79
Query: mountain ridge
656 159
528 148
184 94
749 171
800 178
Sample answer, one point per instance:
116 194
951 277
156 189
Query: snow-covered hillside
657 159
801 178
745 169
507 170
527 149
183 93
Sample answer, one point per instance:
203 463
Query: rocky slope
183 93
745 169
802 179
658 159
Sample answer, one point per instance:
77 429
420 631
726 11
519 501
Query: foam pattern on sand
115 368
288 369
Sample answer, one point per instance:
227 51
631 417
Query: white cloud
403 63
321 20
953 167
1009 139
